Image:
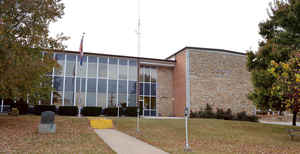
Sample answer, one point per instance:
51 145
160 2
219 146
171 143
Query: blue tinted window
103 60
132 87
92 59
141 89
112 86
82 84
69 84
147 88
122 86
153 89
132 63
60 56
113 61
123 62
102 85
91 85
131 100
77 84
71 57
58 83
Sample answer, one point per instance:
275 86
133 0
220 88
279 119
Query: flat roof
121 56
208 49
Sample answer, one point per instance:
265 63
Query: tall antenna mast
139 30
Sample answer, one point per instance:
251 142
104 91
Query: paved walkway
278 123
125 144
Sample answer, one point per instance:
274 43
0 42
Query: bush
253 118
68 110
193 114
111 111
91 111
207 113
220 114
22 107
130 111
242 116
38 109
228 115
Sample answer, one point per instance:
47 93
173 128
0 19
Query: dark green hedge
130 111
221 114
38 109
111 111
68 110
91 111
126 111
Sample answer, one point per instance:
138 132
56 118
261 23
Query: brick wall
219 79
165 91
179 82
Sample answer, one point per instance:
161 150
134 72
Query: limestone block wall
165 91
219 79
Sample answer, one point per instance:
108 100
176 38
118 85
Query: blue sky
167 25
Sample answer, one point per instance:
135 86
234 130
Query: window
123 67
122 87
153 75
102 68
132 70
113 68
70 65
102 86
58 83
112 93
92 66
131 87
91 92
147 85
60 58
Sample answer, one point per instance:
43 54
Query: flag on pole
81 49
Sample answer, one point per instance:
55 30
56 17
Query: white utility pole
139 30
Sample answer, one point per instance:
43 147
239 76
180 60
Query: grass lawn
73 135
212 136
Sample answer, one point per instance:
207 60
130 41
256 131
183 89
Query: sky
166 25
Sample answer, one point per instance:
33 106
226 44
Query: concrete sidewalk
125 144
278 123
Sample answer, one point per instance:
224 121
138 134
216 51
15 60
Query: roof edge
209 49
102 54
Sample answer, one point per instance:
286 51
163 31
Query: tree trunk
294 118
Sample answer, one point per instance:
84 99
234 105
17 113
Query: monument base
47 128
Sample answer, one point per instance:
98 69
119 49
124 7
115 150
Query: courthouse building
162 87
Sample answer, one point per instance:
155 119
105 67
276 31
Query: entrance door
149 106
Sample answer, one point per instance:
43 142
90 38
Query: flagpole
80 70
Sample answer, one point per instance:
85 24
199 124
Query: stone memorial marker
47 124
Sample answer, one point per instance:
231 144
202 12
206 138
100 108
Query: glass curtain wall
99 81
148 84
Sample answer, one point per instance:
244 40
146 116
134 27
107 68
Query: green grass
212 136
73 135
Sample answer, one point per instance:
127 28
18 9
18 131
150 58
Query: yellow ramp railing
101 123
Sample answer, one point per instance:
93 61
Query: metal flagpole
138 63
80 70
